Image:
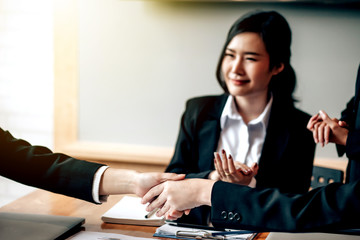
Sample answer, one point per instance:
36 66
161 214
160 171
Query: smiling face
245 66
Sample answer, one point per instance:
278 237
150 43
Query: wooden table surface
43 202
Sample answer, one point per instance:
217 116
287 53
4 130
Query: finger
218 165
174 214
327 132
321 134
326 118
187 211
312 121
245 169
157 203
152 194
171 176
225 162
315 132
343 124
163 210
231 165
255 168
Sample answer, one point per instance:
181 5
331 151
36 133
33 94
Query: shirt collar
231 112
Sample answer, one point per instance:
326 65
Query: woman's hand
174 198
228 170
326 129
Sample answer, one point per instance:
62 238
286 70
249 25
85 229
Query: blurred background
139 61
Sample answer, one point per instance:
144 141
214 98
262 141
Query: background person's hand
327 130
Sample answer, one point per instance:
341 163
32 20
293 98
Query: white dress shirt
243 141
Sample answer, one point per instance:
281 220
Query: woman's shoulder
210 104
207 99
284 107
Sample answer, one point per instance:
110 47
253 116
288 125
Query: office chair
322 176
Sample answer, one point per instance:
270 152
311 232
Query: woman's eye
229 55
251 59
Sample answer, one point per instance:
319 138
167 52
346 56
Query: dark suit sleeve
347 115
37 166
352 145
322 209
185 158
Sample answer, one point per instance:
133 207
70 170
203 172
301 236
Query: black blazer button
223 214
231 216
237 217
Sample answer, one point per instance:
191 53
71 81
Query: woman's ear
278 69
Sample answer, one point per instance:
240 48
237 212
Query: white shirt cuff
96 186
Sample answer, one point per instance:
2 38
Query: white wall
26 69
141 60
26 77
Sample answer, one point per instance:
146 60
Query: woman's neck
250 108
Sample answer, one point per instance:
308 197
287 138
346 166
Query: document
129 210
171 231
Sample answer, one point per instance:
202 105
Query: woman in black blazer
255 72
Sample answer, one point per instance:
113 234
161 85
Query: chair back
322 176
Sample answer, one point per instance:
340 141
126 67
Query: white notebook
129 210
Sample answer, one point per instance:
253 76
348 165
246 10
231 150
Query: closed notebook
37 227
129 210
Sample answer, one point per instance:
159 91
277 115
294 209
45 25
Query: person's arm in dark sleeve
322 209
39 167
347 116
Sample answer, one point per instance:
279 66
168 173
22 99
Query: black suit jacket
287 157
352 148
323 209
38 167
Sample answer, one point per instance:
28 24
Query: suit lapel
209 129
276 140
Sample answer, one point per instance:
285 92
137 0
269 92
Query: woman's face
245 66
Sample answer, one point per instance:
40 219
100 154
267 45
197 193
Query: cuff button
223 214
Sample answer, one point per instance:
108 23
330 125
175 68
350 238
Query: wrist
118 181
204 188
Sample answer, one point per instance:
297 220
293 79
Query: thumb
343 124
172 176
255 168
324 116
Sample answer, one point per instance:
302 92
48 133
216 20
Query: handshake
171 193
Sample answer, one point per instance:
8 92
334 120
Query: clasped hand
326 129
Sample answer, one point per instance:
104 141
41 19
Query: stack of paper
129 210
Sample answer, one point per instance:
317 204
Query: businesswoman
259 137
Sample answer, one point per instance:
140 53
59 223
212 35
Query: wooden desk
43 202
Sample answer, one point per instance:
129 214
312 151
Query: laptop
310 236
38 227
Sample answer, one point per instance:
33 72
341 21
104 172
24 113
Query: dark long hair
276 35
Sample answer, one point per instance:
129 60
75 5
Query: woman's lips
239 82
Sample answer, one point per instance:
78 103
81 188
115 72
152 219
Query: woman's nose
238 66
